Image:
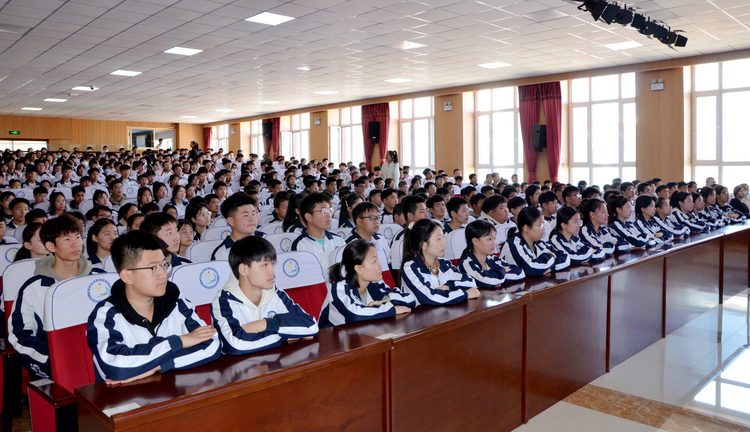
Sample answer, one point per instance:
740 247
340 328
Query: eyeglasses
579 223
325 211
157 269
372 218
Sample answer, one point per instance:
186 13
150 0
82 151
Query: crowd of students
147 325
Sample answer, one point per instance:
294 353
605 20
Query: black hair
248 250
363 208
564 215
569 191
346 205
295 200
308 204
156 186
91 245
27 235
477 229
547 197
34 214
58 227
148 208
677 198
476 198
590 192
491 203
124 210
354 254
642 202
40 190
615 202
706 192
431 201
235 201
530 191
52 198
516 202
128 249
414 237
142 191
17 201
132 218
280 198
526 217
454 205
154 222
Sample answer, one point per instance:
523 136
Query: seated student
146 325
36 215
737 204
250 313
3 230
170 210
57 204
127 210
565 238
712 216
116 195
548 206
316 238
18 207
374 197
495 211
622 230
294 222
62 237
425 274
187 236
198 216
164 226
699 206
99 212
682 205
398 215
478 259
571 196
32 245
476 205
526 249
515 205
436 206
179 201
40 196
99 241
135 221
415 210
274 186
357 290
645 209
367 218
66 180
389 197
664 222
722 205
241 212
458 211
594 231
347 205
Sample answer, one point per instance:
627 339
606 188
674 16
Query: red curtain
528 97
207 137
276 136
375 113
267 141
552 103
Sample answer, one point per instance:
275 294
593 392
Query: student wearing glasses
315 238
146 326
367 219
571 196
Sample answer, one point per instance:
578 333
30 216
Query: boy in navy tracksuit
62 236
146 325
250 313
164 227
241 212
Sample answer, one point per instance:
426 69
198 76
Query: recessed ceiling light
623 45
183 51
406 45
55 100
224 110
398 80
85 88
494 65
304 68
269 18
189 117
125 73
268 102
31 109
325 92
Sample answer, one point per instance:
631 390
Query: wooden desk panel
636 315
736 256
692 282
566 345
336 382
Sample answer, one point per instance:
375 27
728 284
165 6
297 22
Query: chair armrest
52 393
53 408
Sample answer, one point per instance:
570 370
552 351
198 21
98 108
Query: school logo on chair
99 290
130 190
388 233
226 234
209 278
278 230
10 254
286 244
291 267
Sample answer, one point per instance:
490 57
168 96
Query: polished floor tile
565 417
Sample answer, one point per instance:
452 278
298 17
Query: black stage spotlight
681 41
624 17
660 32
597 11
639 22
670 39
610 13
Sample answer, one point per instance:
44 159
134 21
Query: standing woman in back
525 248
594 231
389 170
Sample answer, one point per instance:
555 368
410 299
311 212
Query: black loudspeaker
267 127
539 137
374 131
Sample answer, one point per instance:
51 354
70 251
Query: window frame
482 169
414 169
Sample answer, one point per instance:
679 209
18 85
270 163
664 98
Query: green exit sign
15 132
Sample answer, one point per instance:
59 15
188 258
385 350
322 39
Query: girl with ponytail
623 230
594 231
565 238
478 259
526 249
425 274
645 211
357 290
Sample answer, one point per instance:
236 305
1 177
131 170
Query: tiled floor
695 379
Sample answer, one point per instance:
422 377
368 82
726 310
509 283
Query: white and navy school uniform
180 207
494 275
447 227
296 228
578 251
670 228
376 239
416 279
321 248
398 236
222 250
344 304
628 236
96 262
549 225
727 210
501 230
646 228
534 263
693 224
600 239
386 217
348 224
231 309
25 327
178 260
28 185
708 217
69 184
125 344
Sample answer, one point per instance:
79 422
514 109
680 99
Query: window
720 145
602 129
300 142
416 125
256 137
221 138
499 147
22 145
345 141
